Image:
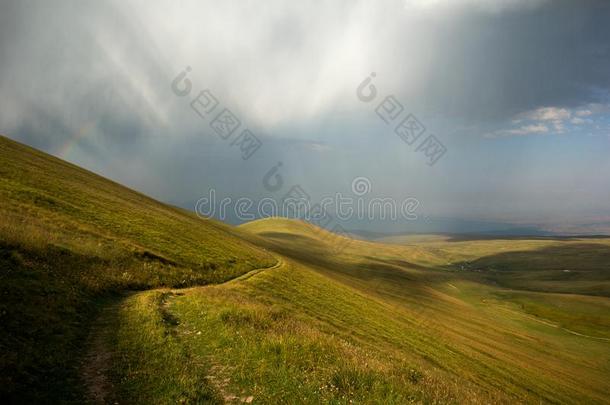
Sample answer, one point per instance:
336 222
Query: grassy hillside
375 324
184 310
68 237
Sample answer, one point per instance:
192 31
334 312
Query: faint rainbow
73 141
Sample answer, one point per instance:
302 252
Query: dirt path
586 336
96 364
280 263
555 325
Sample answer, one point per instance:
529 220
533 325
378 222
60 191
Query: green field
110 296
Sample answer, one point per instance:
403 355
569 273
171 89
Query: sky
514 93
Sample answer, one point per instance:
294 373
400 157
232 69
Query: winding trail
97 360
586 336
552 324
251 273
96 363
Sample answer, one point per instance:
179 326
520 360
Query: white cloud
530 129
523 130
577 121
559 127
547 114
543 119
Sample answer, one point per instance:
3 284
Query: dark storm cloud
496 65
91 81
66 65
470 61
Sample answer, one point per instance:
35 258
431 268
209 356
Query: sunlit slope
74 204
323 317
556 272
562 265
547 264
68 236
370 323
288 335
320 246
529 345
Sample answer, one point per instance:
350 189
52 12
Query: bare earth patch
97 361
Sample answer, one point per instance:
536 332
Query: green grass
426 320
292 336
69 237
392 324
173 374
